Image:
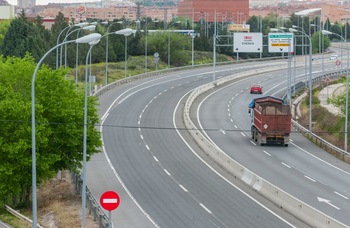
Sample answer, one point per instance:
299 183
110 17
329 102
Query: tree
315 42
4 25
59 127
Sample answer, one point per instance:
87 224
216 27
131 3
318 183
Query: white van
333 57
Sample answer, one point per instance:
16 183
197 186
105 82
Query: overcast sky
45 2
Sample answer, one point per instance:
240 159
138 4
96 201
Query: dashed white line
172 87
223 132
266 153
309 178
187 82
165 90
242 91
167 172
237 94
138 122
140 116
286 165
160 93
247 88
147 147
205 208
253 143
179 85
231 120
228 109
155 158
139 129
183 188
229 114
196 80
228 105
341 195
242 134
141 136
235 126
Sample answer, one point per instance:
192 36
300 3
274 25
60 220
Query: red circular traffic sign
337 62
109 200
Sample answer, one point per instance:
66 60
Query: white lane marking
172 87
247 88
141 136
237 94
165 90
341 195
110 200
205 208
242 91
147 147
228 105
240 190
167 172
259 81
235 126
229 114
223 132
155 97
253 143
4 224
138 122
266 153
320 159
140 116
196 80
139 129
309 178
155 158
286 165
231 120
105 116
179 85
242 134
183 188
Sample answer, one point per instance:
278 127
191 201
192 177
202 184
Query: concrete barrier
281 198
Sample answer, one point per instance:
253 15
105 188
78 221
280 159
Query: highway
168 183
320 182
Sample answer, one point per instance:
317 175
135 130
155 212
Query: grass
135 66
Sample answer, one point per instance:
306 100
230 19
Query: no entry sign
109 200
337 62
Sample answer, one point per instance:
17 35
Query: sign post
338 63
279 42
110 201
156 58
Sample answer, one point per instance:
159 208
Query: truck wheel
285 145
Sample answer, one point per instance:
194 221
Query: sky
45 2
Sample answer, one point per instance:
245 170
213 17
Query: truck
271 120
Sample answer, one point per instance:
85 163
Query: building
25 3
226 10
7 12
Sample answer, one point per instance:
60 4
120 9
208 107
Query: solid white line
341 195
286 165
110 200
155 158
183 188
266 153
141 136
167 172
105 116
242 134
147 147
309 178
4 224
253 143
205 208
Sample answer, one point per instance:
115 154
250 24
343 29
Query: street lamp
90 28
156 21
193 36
310 75
175 22
85 39
302 46
341 51
289 63
118 22
126 43
325 32
322 46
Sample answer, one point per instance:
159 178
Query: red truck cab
271 120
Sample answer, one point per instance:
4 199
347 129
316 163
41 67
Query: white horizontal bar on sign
110 200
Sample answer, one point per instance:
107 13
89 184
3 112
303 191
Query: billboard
279 42
247 42
239 28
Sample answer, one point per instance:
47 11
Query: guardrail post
95 215
76 182
100 222
90 206
106 224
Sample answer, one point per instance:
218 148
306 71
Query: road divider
296 207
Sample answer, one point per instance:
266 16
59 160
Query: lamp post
289 63
325 32
85 39
126 44
310 75
302 49
175 22
322 47
193 36
118 22
91 28
341 51
58 38
156 21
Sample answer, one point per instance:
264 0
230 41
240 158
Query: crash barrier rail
92 203
313 137
20 216
281 198
110 86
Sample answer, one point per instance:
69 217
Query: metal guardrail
317 139
93 204
20 216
